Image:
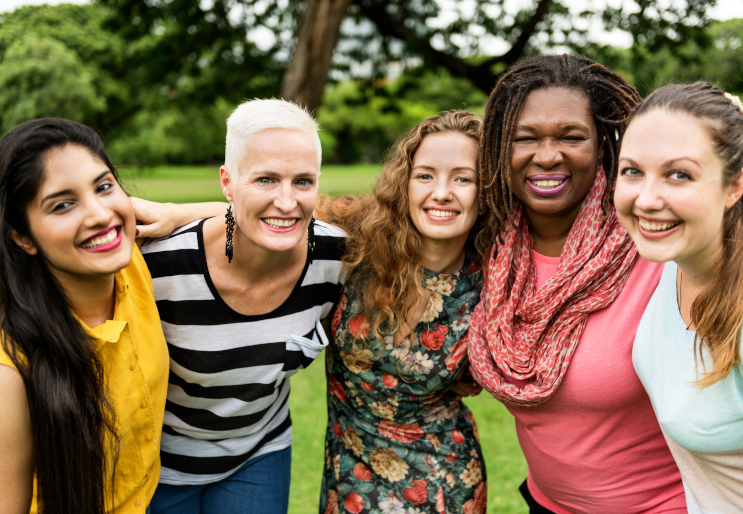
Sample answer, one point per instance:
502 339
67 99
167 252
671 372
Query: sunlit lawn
505 463
183 184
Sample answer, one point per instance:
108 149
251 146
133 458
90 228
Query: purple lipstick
547 186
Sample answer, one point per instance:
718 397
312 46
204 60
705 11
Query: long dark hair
611 99
73 421
717 313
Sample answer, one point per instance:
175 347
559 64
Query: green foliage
60 61
173 135
721 62
358 126
42 77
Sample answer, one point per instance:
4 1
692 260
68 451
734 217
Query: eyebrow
665 164
69 191
572 126
458 168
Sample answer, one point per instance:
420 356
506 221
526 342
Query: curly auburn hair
611 100
383 246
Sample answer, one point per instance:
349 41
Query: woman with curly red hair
399 437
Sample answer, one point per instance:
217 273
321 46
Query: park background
157 79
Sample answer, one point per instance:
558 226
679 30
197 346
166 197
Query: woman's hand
467 385
160 219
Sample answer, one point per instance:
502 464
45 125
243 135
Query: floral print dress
399 441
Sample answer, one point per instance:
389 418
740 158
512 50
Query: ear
601 148
225 181
735 191
24 242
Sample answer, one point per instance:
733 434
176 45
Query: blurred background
158 78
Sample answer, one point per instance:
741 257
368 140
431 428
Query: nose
286 199
442 191
547 155
98 214
650 196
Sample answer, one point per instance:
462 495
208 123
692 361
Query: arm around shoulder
18 462
160 219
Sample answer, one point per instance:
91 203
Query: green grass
504 461
183 184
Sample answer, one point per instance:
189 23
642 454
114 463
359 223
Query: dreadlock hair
383 245
611 100
717 313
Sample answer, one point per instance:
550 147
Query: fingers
152 230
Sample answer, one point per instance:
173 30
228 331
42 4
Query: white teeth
279 223
547 184
102 240
442 214
657 227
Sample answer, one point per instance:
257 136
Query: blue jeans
261 486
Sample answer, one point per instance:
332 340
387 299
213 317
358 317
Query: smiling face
670 194
555 152
81 220
275 191
442 190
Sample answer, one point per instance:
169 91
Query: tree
404 32
60 62
720 62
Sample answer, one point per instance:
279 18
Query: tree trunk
305 78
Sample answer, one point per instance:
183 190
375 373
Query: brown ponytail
717 313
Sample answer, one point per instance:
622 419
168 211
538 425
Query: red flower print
440 507
331 507
474 268
337 429
366 386
479 502
434 339
354 503
416 493
359 325
457 436
337 389
458 352
403 432
361 472
452 457
389 381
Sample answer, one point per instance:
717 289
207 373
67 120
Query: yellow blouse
135 359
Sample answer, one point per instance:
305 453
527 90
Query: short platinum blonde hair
257 115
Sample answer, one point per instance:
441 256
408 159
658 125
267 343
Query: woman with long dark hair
565 291
83 361
678 195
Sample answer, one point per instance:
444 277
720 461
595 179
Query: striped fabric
229 373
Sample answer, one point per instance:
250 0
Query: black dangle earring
229 220
311 238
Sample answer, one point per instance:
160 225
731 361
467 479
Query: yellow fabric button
148 437
138 502
143 405
133 367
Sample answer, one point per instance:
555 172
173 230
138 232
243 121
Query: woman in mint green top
678 195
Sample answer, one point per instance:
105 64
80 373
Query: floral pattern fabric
398 440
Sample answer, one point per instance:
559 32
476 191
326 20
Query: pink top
596 446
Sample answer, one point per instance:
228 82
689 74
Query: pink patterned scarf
531 334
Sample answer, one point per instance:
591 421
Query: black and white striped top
229 373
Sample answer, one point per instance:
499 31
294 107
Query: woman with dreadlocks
564 293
